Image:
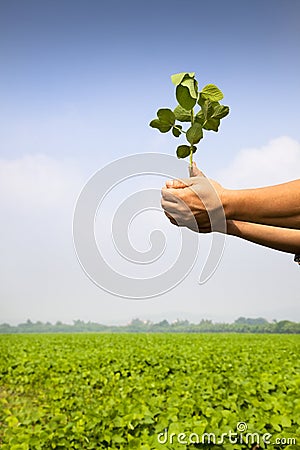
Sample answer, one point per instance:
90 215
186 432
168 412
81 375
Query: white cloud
274 163
38 181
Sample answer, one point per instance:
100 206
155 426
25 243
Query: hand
195 203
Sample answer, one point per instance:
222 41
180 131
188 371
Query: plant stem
191 147
191 158
179 129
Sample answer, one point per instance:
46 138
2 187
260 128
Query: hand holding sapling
249 214
208 117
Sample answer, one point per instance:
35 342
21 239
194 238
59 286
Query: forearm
283 239
274 205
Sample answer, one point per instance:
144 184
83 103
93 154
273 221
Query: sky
79 83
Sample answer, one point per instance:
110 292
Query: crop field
149 391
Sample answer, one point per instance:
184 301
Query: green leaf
192 86
12 421
175 131
117 439
156 123
220 111
275 422
134 444
166 116
212 92
207 109
194 133
184 98
212 124
286 422
178 77
182 114
201 100
165 121
199 117
184 150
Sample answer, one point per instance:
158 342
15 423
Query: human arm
277 205
282 239
266 216
278 238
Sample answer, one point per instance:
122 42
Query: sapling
207 116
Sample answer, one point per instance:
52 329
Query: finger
175 199
176 184
170 207
195 172
169 183
170 195
171 218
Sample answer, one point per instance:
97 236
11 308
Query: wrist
227 199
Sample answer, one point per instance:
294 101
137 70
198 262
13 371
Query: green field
133 391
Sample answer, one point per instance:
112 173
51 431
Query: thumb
195 172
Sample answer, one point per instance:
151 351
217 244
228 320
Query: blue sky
98 64
79 83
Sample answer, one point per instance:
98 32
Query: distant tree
249 321
240 325
286 326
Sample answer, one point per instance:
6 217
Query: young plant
207 117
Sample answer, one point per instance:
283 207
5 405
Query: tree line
240 325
